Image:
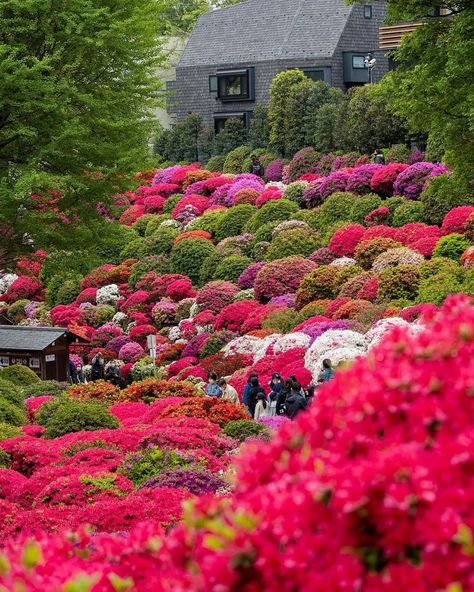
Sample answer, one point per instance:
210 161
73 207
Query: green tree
182 141
232 136
297 107
78 91
329 125
321 94
370 124
278 107
259 132
432 86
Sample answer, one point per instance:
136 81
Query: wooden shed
45 350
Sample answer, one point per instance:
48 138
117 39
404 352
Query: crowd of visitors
280 397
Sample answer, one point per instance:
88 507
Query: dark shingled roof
266 30
28 338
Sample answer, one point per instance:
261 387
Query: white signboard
4 362
50 358
34 363
151 342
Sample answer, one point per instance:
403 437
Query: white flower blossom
6 281
291 341
108 295
343 262
174 334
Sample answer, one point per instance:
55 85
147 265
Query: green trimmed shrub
11 414
161 242
19 375
273 211
213 345
208 268
98 315
230 268
281 321
209 221
260 250
265 232
398 153
41 388
16 311
243 429
142 223
160 264
61 262
11 393
299 242
442 265
468 286
444 193
134 250
319 284
8 431
451 246
264 155
295 192
115 238
367 251
436 288
63 289
398 282
312 309
362 206
234 221
171 202
411 211
155 223
188 256
311 217
215 164
65 416
337 208
234 161
150 462
392 203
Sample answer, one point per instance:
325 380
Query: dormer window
236 85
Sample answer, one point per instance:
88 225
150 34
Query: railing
391 37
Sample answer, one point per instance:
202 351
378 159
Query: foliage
233 222
230 268
235 159
141 466
216 164
444 193
397 282
293 242
244 429
451 246
67 415
19 375
188 256
411 211
11 414
232 136
150 390
272 211
259 132
60 121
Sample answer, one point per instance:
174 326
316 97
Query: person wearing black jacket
112 374
256 167
255 389
282 395
295 401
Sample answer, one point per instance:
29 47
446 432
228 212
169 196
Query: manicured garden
329 256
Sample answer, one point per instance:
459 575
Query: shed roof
28 338
266 30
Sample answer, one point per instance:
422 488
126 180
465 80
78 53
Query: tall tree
431 88
77 94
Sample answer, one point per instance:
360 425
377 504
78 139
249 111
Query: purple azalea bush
197 482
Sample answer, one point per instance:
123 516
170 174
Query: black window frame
354 67
368 11
221 118
247 85
308 71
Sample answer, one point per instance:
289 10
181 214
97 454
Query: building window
314 74
367 11
236 85
213 84
221 118
358 62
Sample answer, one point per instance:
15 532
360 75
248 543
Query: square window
358 62
237 85
314 75
213 84
367 11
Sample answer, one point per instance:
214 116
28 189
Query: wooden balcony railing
391 37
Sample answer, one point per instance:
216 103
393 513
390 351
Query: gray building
234 53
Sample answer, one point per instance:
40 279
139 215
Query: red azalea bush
345 240
192 234
233 316
377 216
456 219
98 390
214 296
220 412
63 316
154 204
148 391
87 295
383 180
131 214
25 287
415 231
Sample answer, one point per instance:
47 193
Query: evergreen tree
232 136
259 132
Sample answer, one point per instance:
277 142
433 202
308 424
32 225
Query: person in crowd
72 373
256 167
295 401
328 371
247 389
261 408
81 375
212 388
275 385
112 374
311 391
255 390
379 157
282 396
295 382
228 392
97 370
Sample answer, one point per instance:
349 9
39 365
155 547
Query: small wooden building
45 350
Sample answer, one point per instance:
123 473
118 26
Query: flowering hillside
326 257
